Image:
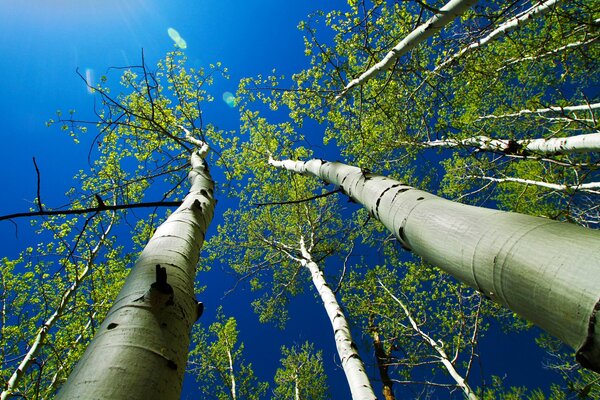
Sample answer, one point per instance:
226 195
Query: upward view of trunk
447 14
140 350
438 346
382 359
540 9
557 109
357 378
546 271
558 145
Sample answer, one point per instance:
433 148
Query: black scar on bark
161 284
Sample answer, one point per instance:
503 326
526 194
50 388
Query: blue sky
42 44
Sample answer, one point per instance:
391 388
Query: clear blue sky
43 42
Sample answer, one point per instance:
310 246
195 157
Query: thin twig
39 197
297 201
92 209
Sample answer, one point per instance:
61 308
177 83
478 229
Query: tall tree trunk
357 378
447 14
555 109
438 346
539 9
557 145
382 359
140 350
232 388
584 187
546 271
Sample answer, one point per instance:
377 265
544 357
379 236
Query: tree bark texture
447 14
546 271
140 350
356 375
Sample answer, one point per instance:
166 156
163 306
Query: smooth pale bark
296 388
140 350
433 25
233 389
546 271
540 9
357 378
554 52
584 187
566 109
40 339
559 145
437 346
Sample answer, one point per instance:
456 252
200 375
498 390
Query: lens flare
89 79
176 37
229 99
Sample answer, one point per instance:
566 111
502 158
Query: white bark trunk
296 387
438 347
231 371
582 107
546 271
447 14
140 350
357 378
562 145
40 338
584 187
541 8
549 53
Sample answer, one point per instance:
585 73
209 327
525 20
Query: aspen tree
546 271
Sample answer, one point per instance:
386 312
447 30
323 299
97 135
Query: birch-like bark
140 350
546 271
40 338
437 346
561 145
540 9
356 375
553 52
566 109
296 387
584 187
447 14
233 389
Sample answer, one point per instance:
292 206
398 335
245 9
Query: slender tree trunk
447 14
559 109
438 347
560 145
233 389
554 52
140 350
584 187
357 378
546 271
296 387
40 338
540 9
382 365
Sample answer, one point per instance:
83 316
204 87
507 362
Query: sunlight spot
89 79
229 99
179 41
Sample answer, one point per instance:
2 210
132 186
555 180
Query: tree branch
92 209
297 201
